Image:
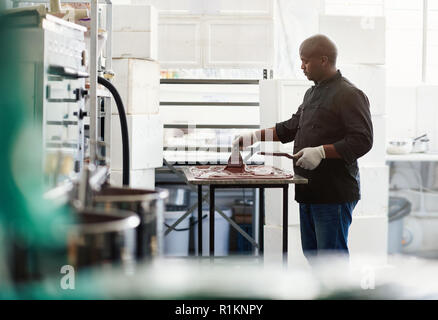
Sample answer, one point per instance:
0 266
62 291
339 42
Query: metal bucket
100 237
178 197
149 205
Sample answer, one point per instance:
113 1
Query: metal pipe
212 221
93 82
199 220
261 218
285 221
424 51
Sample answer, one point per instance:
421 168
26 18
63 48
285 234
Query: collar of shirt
337 76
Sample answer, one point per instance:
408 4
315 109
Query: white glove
245 140
310 158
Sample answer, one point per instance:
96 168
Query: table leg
285 222
199 220
212 220
261 218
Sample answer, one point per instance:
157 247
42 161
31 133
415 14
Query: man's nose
302 66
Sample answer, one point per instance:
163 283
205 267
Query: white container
368 237
134 18
279 100
274 196
138 83
145 142
140 45
142 178
135 32
176 242
371 79
374 185
179 43
358 39
377 154
221 233
273 246
250 46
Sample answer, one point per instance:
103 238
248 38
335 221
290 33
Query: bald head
319 46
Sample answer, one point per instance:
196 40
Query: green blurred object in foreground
29 224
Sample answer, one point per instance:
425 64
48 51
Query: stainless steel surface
148 205
91 180
100 237
278 154
178 196
420 144
93 131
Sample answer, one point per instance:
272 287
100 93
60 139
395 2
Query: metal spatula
278 154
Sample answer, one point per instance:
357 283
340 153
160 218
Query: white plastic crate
142 178
145 142
138 83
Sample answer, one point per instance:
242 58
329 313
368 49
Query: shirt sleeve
287 130
354 110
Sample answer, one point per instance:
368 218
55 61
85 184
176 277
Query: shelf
209 126
207 148
203 157
62 1
209 104
412 157
209 81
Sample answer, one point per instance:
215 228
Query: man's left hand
310 158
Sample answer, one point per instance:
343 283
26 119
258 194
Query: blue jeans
324 227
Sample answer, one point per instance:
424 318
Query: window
431 75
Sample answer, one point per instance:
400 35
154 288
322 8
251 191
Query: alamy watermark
368 278
67 281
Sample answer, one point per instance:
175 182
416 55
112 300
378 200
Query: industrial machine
53 65
55 73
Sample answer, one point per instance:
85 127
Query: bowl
399 146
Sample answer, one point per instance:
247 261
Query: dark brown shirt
334 112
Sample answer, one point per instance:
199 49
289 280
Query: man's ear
324 60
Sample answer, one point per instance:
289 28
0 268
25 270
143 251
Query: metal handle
278 154
67 72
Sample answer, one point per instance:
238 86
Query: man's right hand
245 140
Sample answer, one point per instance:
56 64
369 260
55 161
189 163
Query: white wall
412 111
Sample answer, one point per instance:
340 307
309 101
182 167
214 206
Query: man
331 130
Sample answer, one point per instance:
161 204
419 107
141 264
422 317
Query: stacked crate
361 59
137 78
